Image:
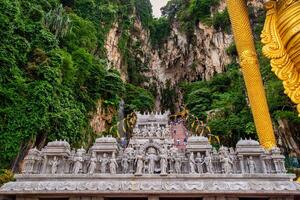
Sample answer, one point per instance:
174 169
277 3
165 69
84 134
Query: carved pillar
249 63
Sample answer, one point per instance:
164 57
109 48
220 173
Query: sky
157 4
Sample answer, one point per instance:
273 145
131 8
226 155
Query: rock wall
178 59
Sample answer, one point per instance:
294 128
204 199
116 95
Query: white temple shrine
152 167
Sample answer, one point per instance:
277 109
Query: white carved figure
139 163
145 131
163 162
137 131
54 165
192 163
251 165
113 165
163 132
125 163
227 163
93 164
78 163
28 165
151 130
104 161
167 131
233 158
177 164
199 163
208 163
151 158
158 131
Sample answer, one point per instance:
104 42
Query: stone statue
199 162
54 165
93 164
163 163
163 132
177 165
167 131
152 157
28 166
226 163
125 163
77 164
113 165
104 161
137 131
192 163
251 165
151 132
158 131
139 163
233 158
208 163
145 131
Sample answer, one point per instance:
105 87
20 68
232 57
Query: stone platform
205 185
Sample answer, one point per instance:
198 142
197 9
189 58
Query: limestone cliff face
178 59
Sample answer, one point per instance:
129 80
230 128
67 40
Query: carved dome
246 142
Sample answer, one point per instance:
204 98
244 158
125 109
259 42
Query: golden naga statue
281 37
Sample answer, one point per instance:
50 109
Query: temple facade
151 166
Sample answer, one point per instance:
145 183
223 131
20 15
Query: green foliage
221 21
225 96
49 84
83 35
169 97
57 21
159 31
6 176
232 51
190 12
144 12
137 99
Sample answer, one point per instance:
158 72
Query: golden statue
281 37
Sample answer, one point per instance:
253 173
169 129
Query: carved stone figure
54 165
139 164
158 131
77 164
251 165
151 158
208 163
199 163
192 163
151 130
93 164
227 163
125 163
113 165
163 132
104 161
233 158
137 131
177 165
145 131
163 163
